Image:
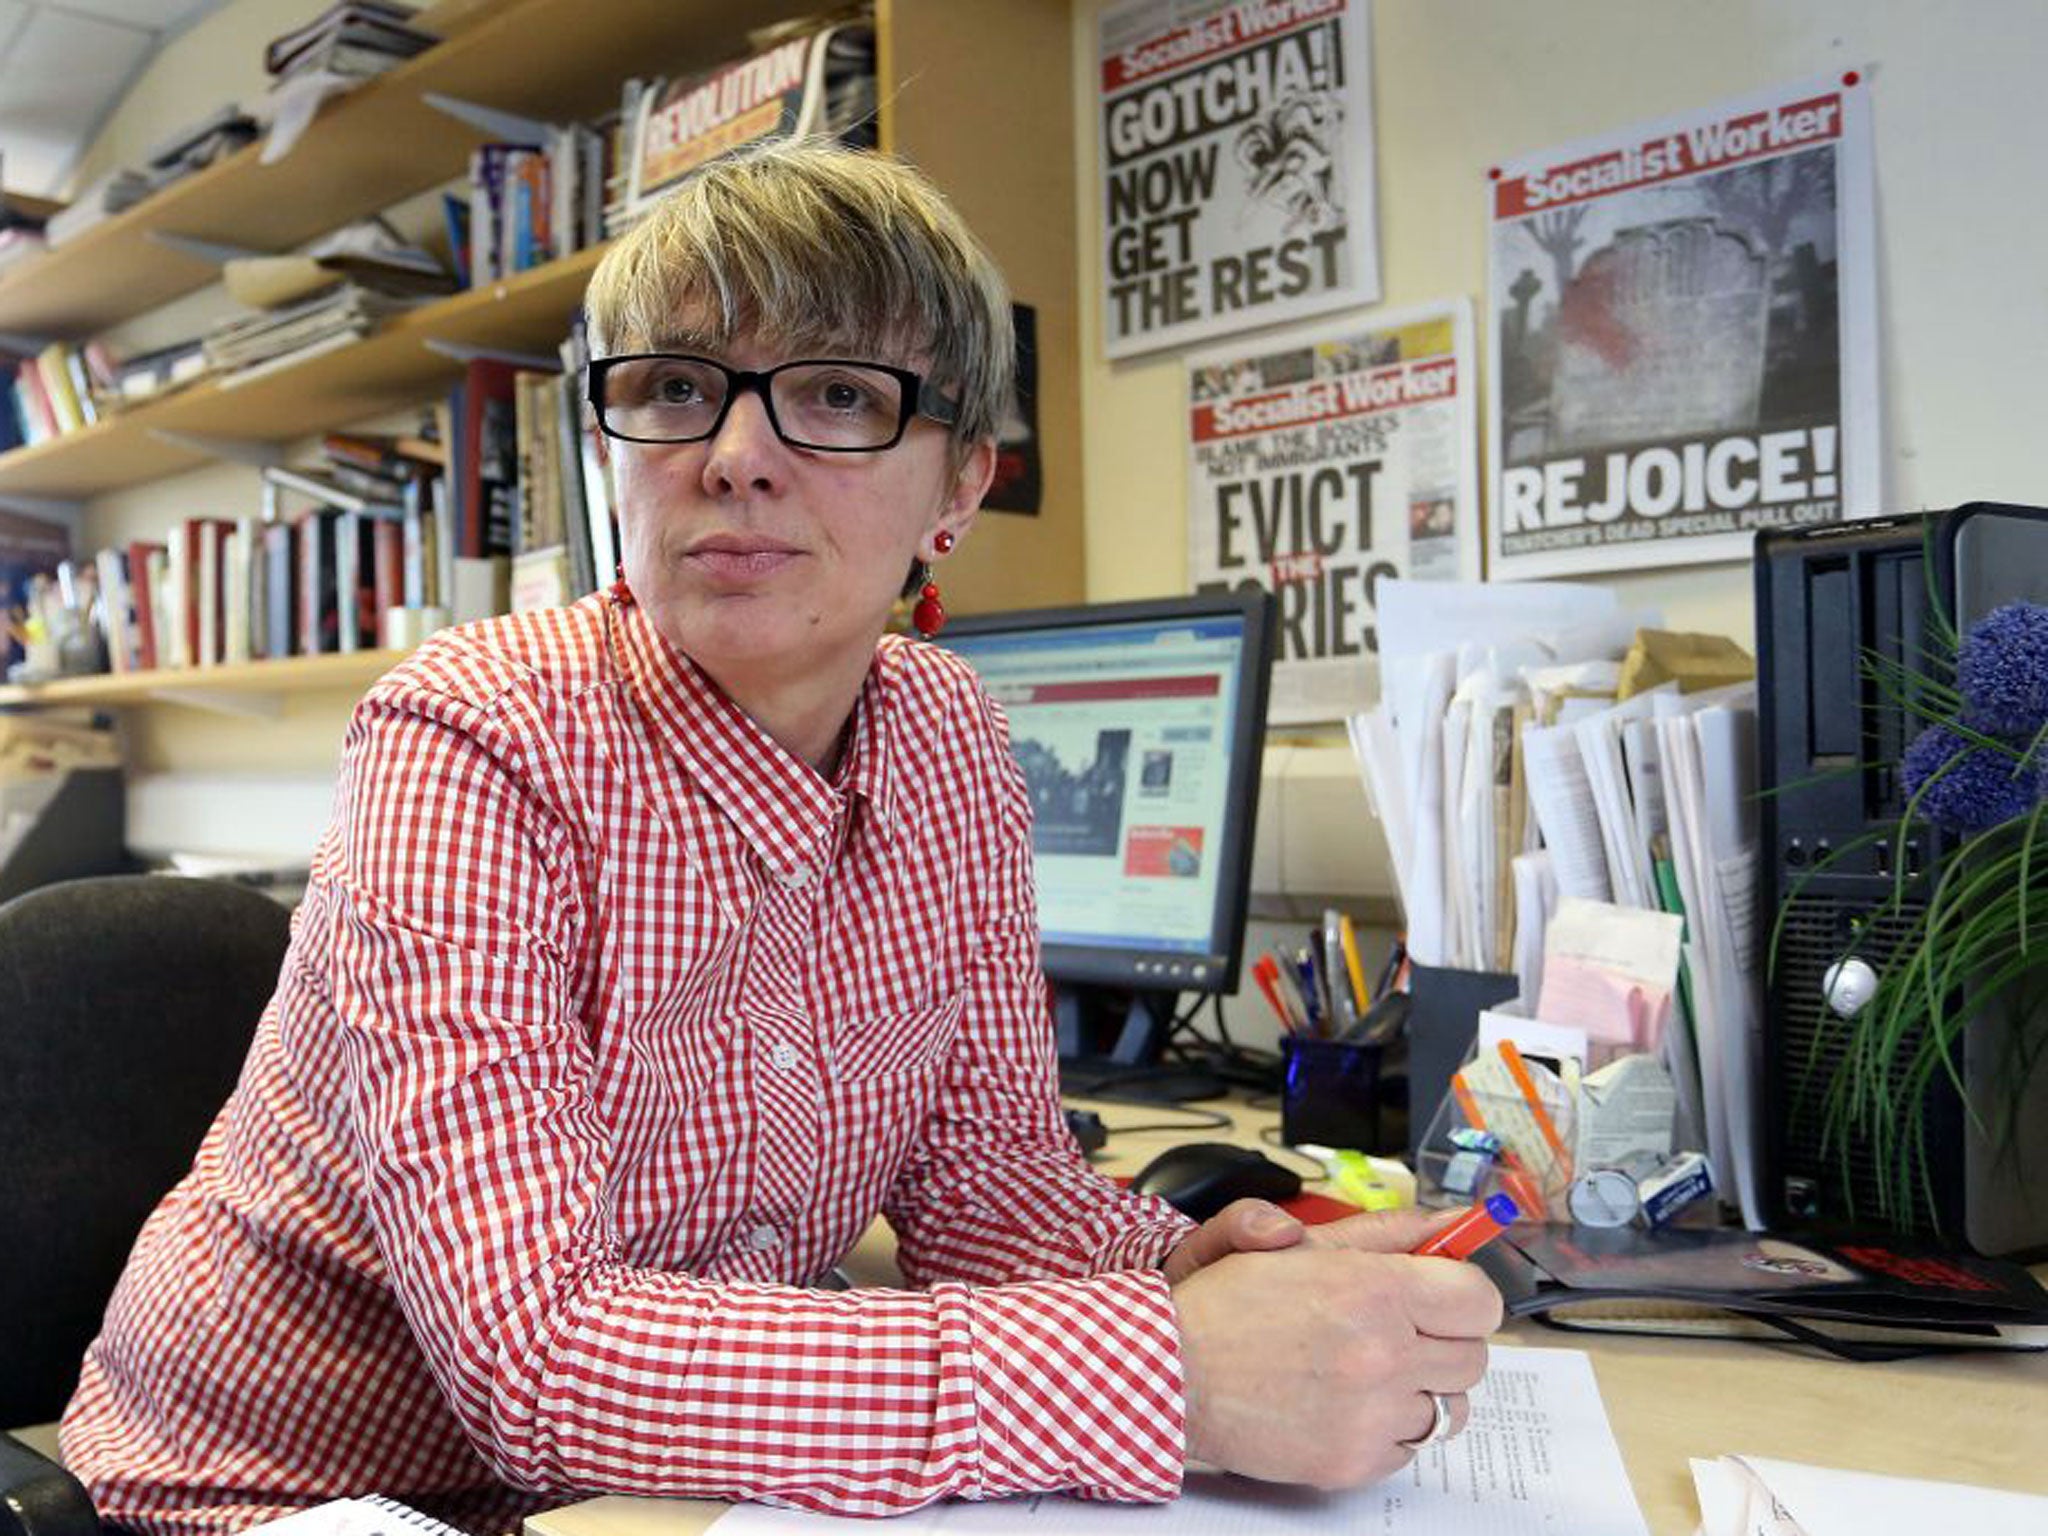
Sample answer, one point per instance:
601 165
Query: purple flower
1968 787
2002 669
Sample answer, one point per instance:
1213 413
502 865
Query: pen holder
1442 1022
1330 1093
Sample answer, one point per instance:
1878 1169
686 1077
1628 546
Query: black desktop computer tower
1830 735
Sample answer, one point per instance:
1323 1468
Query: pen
1519 1070
1392 968
1342 999
1288 983
1347 938
1267 974
1311 989
1470 1232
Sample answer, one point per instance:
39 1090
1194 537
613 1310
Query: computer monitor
1138 726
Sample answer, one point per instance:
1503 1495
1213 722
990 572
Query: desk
1973 1419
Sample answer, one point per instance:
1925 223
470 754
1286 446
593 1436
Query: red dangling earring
621 593
929 616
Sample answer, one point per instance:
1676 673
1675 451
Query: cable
1199 1120
1270 1135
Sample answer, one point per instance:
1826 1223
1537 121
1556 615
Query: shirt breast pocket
890 1044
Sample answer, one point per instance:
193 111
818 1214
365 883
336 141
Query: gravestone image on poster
1019 480
1682 317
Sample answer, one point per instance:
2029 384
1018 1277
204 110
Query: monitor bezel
1140 969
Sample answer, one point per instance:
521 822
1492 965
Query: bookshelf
392 368
976 92
351 164
246 688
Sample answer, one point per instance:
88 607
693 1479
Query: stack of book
21 228
55 391
144 375
530 203
119 189
497 499
256 344
192 148
356 39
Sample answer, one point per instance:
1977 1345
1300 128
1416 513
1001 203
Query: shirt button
796 877
763 1237
783 1055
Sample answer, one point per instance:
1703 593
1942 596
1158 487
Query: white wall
1463 84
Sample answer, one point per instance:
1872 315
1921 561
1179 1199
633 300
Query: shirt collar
779 804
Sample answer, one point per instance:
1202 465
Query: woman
660 943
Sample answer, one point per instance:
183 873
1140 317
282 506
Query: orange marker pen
1471 1231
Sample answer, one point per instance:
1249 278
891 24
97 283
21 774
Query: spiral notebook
373 1515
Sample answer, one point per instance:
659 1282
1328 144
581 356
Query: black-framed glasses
830 405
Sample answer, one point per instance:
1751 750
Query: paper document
1750 1496
1538 1459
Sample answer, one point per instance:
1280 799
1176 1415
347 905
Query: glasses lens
837 405
663 399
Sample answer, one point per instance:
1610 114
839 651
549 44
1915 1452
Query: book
809 78
280 590
485 457
143 556
371 1515
352 21
1866 1298
319 619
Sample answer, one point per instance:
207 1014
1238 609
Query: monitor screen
1139 727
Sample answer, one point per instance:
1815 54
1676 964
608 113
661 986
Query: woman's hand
1243 1226
1316 1363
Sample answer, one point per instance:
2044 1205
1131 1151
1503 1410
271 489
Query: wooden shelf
258 683
392 368
549 59
999 141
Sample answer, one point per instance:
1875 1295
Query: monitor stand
1136 1022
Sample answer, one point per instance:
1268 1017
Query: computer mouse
1201 1177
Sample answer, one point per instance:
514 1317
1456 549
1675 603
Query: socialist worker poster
1321 460
1237 166
1682 322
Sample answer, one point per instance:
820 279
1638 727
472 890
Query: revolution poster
1322 460
1682 318
1237 166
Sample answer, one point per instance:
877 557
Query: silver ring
1439 1425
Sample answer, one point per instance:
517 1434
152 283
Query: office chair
126 1006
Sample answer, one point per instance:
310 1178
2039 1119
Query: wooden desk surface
1971 1419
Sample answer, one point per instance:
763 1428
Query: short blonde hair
810 246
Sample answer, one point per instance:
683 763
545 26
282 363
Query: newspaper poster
1682 318
1237 166
1322 460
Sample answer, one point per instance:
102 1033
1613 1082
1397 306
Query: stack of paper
1749 1496
1537 1458
1444 754
1509 779
1707 749
272 338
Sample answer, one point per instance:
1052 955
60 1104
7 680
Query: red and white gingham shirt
607 1027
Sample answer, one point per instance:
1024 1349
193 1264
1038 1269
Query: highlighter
1470 1232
